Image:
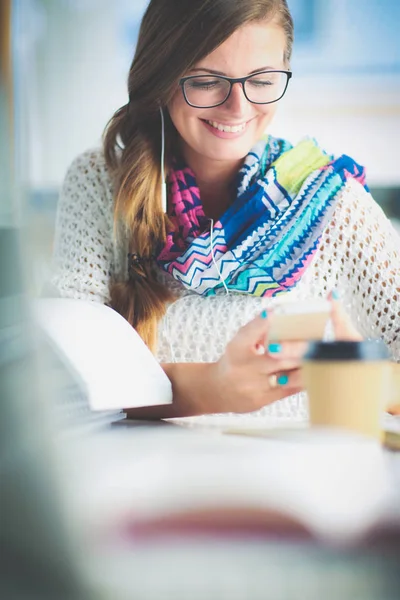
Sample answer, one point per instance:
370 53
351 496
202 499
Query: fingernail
274 348
264 314
335 295
282 380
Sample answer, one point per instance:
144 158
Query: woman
248 218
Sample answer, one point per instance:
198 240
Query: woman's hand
251 374
246 377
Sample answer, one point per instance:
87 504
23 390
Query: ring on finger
275 380
272 380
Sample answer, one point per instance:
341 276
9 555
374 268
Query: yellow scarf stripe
294 166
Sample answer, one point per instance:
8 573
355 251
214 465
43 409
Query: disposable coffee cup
348 384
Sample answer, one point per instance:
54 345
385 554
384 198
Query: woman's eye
260 82
204 85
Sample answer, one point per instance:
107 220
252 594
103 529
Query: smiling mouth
227 128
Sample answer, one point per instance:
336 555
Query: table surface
335 483
141 486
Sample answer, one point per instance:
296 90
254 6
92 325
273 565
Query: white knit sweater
359 255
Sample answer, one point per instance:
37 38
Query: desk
136 483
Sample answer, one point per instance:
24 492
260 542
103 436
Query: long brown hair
174 35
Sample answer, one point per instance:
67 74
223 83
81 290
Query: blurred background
71 59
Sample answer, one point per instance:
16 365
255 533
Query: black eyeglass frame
241 80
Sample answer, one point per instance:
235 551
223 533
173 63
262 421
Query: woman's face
254 47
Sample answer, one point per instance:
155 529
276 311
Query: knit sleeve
83 247
364 250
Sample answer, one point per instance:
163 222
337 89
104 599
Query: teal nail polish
264 314
274 348
282 380
335 295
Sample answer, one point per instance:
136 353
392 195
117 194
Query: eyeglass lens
206 91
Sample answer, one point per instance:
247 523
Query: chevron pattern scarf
266 239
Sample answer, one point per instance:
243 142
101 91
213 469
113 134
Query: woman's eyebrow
212 72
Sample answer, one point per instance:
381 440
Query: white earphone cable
213 256
163 182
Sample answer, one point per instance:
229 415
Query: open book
105 354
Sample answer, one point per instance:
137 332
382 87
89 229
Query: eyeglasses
207 91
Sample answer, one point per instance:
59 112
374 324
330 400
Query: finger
254 334
287 380
394 409
285 350
267 365
341 321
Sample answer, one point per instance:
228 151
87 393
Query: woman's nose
237 101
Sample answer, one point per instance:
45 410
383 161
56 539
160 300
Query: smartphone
304 320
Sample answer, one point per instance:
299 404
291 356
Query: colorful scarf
266 239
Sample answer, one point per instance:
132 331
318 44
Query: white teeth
227 128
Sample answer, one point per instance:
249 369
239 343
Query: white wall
70 86
361 119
